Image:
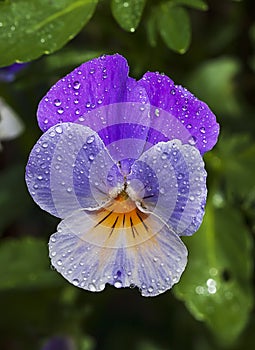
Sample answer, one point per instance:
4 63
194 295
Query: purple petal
88 257
174 185
180 103
68 169
126 129
96 83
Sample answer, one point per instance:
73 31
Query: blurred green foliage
217 287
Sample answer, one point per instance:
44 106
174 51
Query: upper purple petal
96 83
194 114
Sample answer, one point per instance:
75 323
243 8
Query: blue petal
89 255
175 175
69 168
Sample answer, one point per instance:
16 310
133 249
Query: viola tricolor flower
120 162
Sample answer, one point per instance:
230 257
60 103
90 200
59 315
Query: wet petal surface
69 168
89 254
170 180
195 115
96 83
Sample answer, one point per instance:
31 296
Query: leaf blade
174 27
128 13
30 29
216 285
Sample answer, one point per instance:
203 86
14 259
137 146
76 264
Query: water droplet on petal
192 140
91 157
57 102
58 129
164 155
118 284
157 112
150 289
92 287
76 85
59 262
90 139
202 130
75 282
60 111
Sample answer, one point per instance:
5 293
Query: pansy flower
120 162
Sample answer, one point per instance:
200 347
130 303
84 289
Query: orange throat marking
122 214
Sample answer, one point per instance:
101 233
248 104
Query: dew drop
150 289
59 158
39 177
202 130
91 157
90 139
189 126
92 287
76 85
157 112
109 177
192 140
58 129
118 284
75 282
162 190
164 156
59 262
60 111
57 102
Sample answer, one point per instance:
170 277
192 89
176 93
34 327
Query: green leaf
24 263
128 13
151 27
197 4
216 286
174 27
214 83
234 155
31 28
